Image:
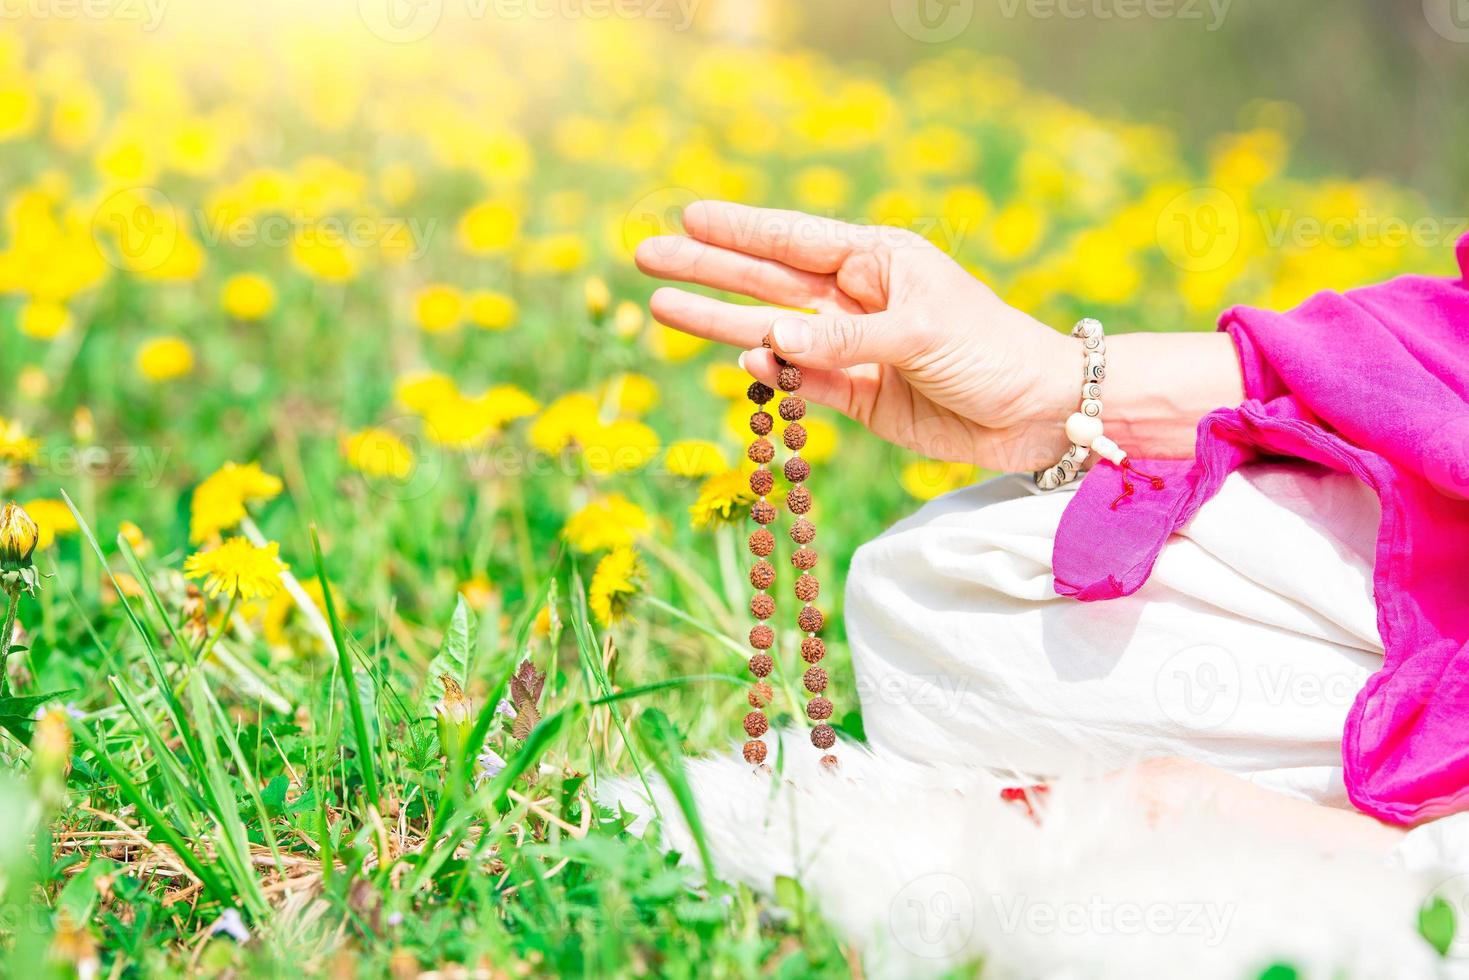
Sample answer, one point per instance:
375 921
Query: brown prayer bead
810 620
807 588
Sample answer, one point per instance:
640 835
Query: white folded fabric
1244 649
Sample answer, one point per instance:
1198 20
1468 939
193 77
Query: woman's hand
916 349
903 339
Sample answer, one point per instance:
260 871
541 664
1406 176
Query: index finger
803 241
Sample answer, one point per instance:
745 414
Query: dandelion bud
455 717
627 321
52 744
83 426
599 297
18 537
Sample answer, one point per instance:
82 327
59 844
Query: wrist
1159 385
1054 395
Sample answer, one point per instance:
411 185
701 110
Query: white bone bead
1108 450
1083 429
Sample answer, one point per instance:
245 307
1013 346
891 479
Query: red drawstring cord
1126 466
1026 796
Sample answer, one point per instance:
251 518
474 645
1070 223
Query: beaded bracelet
1084 427
819 708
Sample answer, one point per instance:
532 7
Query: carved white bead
1108 450
1083 429
1092 407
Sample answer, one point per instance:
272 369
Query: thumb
838 340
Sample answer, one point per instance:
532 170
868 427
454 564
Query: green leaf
1436 924
454 653
79 897
366 761
17 715
661 742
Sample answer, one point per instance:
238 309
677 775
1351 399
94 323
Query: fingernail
792 335
743 355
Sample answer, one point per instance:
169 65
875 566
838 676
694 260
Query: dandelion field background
304 286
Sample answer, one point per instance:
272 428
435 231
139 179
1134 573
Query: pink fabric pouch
1373 382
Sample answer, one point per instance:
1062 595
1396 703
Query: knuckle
845 335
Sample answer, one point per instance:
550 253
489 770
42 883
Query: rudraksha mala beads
792 409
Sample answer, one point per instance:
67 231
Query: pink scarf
1373 382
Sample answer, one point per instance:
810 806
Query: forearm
1160 384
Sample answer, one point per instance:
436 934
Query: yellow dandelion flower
489 228
247 296
135 538
821 188
570 419
723 499
219 502
322 258
549 254
238 568
460 423
165 358
693 458
44 319
506 403
926 479
614 584
672 345
478 591
545 616
438 308
490 310
425 389
619 447
605 523
378 452
53 518
15 445
627 320
632 394
727 381
1015 231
